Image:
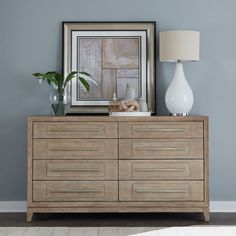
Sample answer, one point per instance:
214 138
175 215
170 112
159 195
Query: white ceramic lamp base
179 96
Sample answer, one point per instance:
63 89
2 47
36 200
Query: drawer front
161 129
161 191
75 170
161 170
160 149
75 191
75 149
75 130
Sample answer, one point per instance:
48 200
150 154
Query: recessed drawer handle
81 149
79 191
70 130
75 170
159 170
160 191
161 149
159 130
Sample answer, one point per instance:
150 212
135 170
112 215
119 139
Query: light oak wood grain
29 168
75 170
75 149
70 192
96 119
161 130
114 206
75 130
206 212
161 191
160 170
160 148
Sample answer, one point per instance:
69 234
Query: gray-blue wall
30 41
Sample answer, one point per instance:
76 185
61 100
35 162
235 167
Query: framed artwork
115 54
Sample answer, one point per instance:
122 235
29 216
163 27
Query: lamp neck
179 72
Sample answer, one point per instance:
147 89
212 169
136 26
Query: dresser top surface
105 118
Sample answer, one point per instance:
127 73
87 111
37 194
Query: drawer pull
161 149
160 191
153 129
81 149
75 170
159 169
73 130
79 191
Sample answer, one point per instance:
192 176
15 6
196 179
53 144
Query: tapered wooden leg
29 216
206 215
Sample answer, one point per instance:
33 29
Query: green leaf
70 76
39 75
54 80
85 73
51 79
84 83
49 76
51 73
59 78
88 77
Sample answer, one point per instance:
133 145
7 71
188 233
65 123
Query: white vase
129 92
143 106
179 96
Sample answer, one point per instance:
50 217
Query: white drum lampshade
179 46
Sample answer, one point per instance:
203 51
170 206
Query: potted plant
59 83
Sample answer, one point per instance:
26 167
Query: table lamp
179 46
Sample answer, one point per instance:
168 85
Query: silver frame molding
150 30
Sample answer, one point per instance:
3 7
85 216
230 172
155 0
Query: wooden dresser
117 164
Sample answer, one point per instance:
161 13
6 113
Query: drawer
75 130
161 129
161 170
160 148
68 191
161 191
75 170
75 149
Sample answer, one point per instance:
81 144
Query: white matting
192 231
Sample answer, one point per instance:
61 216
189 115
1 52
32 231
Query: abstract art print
115 54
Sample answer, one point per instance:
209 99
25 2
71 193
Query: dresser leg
29 216
206 215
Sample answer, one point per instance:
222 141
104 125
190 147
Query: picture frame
114 54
